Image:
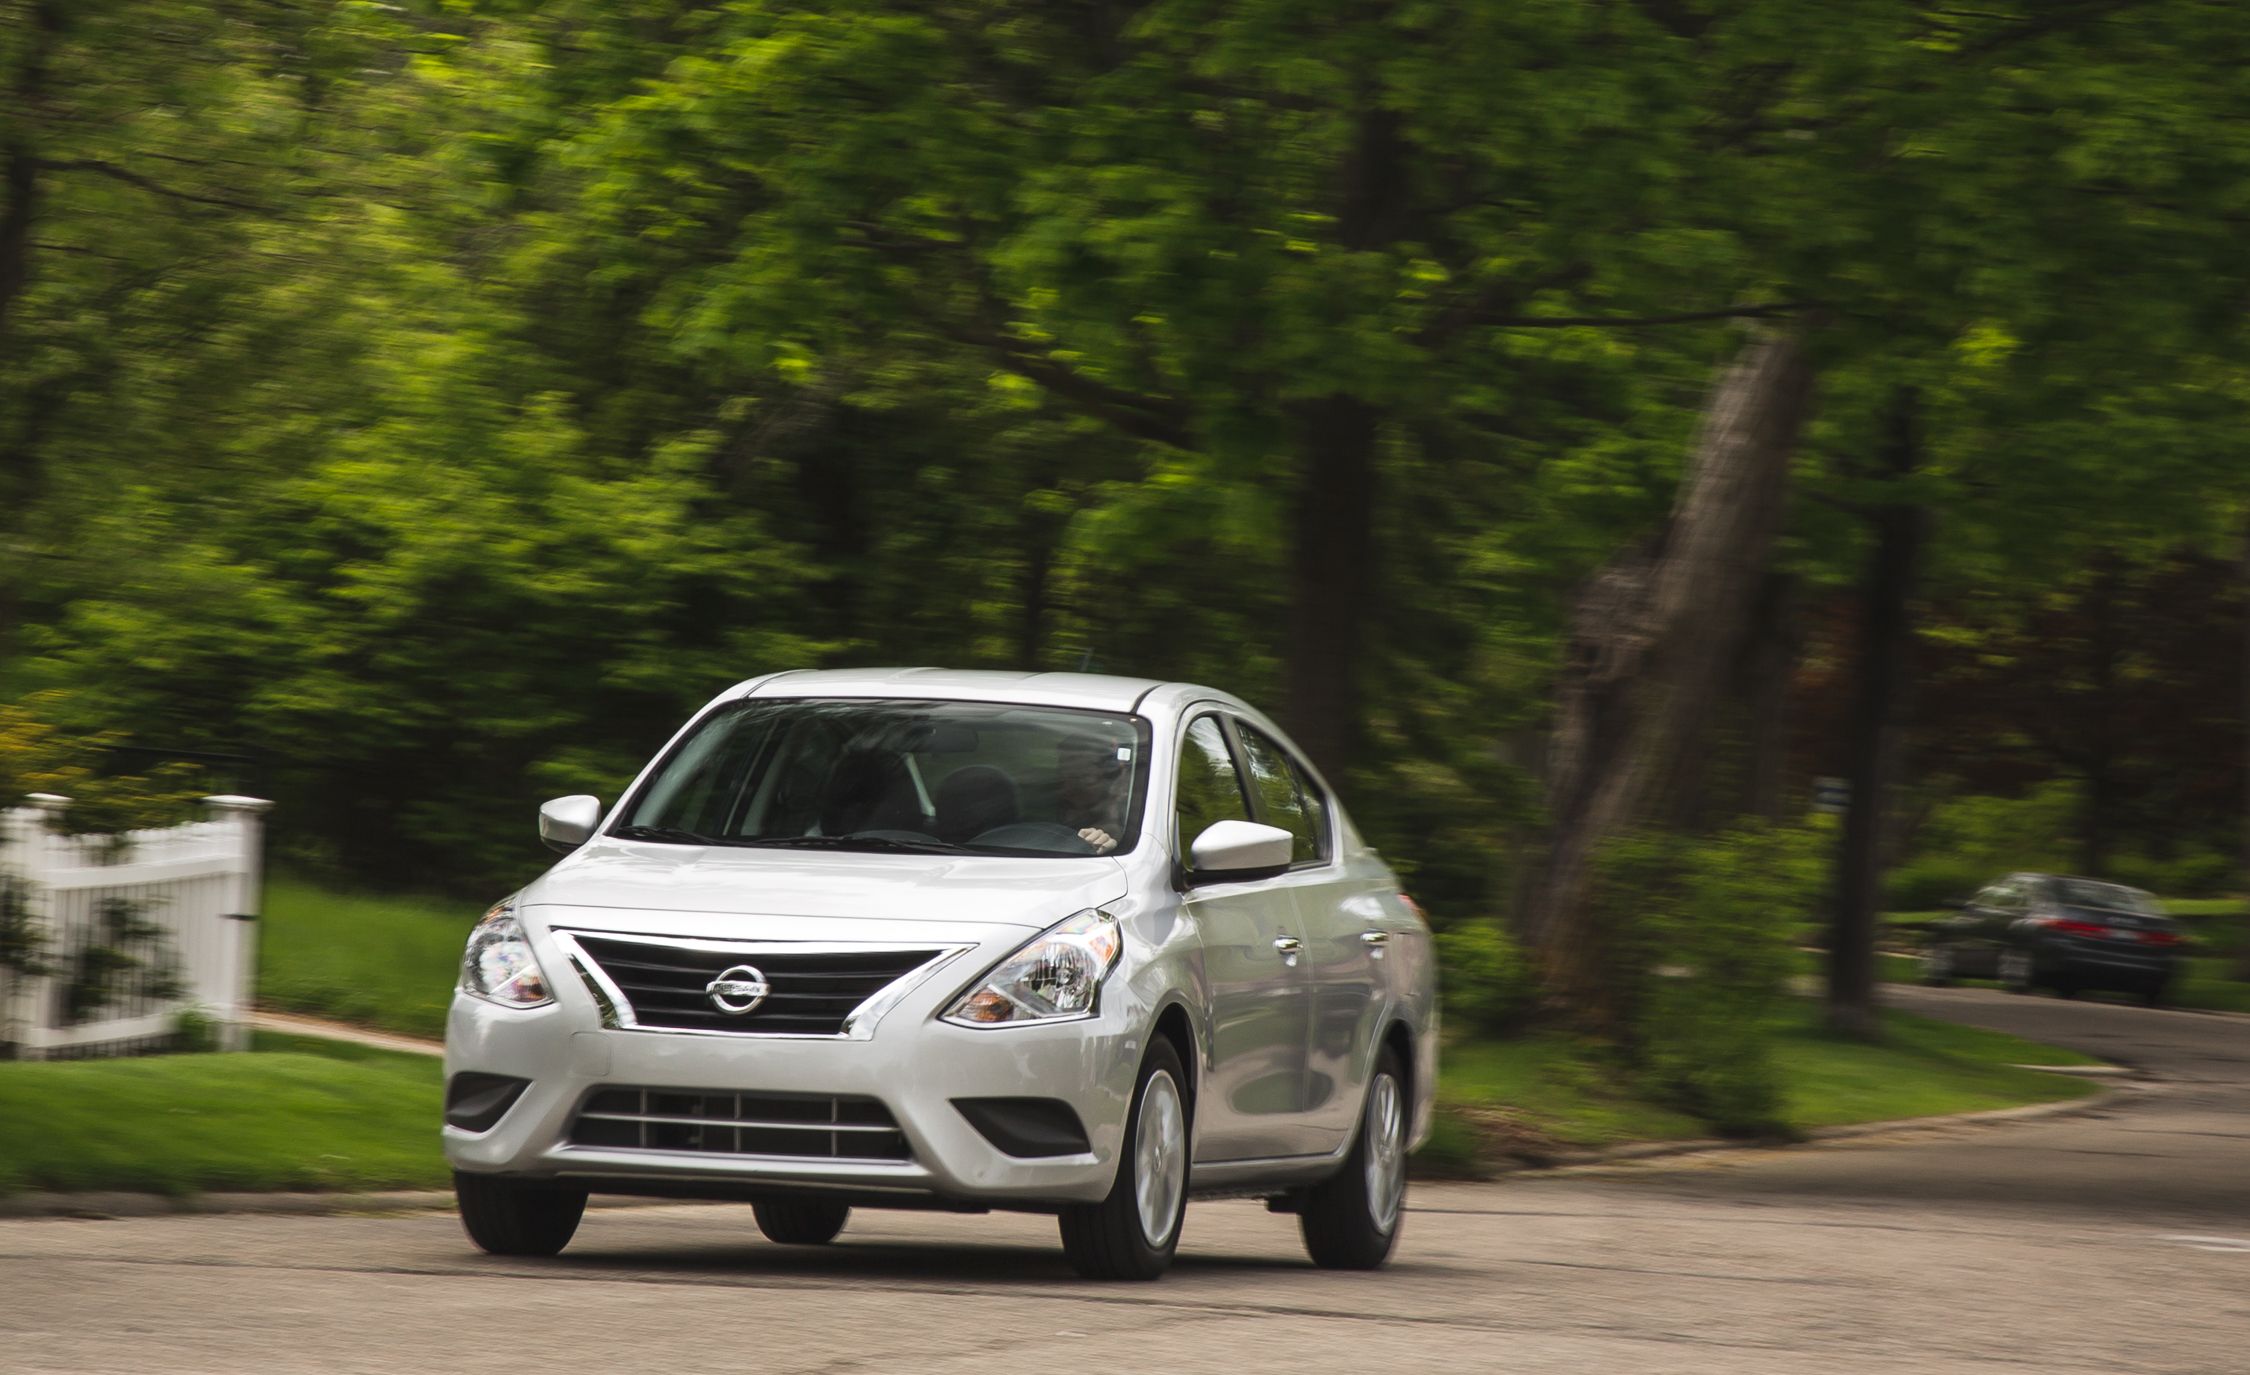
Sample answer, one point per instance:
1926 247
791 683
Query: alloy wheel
1386 1153
1160 1159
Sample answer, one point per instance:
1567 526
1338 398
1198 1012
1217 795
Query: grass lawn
1529 1098
297 1114
378 961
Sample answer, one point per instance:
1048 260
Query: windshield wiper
854 842
664 835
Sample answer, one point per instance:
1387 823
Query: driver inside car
1090 790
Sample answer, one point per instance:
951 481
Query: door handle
1289 946
1375 941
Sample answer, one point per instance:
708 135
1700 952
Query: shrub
1705 926
194 1031
1933 881
1997 835
2199 874
1483 978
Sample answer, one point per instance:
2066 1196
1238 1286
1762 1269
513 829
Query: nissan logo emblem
738 991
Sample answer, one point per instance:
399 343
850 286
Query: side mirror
568 822
1232 851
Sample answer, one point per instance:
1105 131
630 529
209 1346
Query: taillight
2068 927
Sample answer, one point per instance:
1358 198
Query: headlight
1054 978
499 966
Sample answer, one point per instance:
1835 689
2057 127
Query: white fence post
24 854
246 816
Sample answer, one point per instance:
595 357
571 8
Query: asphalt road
2115 1241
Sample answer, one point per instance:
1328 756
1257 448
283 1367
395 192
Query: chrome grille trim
743 1125
618 1012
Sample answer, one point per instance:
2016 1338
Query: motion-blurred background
1699 473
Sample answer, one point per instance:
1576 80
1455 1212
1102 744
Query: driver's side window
1210 790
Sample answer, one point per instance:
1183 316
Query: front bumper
913 1064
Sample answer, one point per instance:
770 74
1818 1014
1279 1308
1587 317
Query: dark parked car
2047 931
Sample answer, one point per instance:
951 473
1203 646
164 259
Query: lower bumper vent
791 1126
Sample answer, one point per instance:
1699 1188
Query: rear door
1335 924
1252 1105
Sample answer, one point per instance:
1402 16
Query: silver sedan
919 938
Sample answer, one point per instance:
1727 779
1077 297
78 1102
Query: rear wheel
800 1221
1350 1220
1133 1233
518 1217
2156 994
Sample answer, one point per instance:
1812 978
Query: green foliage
1487 984
1929 883
1534 1098
2193 872
438 401
2001 834
384 962
181 1124
195 1032
1703 928
38 754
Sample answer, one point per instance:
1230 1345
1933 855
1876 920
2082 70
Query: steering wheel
1050 836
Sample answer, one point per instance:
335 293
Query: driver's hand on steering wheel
1102 841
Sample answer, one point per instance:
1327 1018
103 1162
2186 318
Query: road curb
1567 1162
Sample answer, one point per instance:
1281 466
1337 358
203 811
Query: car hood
742 891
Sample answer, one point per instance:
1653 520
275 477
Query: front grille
664 983
796 1126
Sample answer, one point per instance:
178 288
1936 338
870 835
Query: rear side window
1210 790
1287 796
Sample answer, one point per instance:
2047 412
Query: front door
1252 1103
1334 922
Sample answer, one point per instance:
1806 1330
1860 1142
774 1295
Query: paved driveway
2116 1242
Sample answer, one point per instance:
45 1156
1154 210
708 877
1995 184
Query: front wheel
1350 1220
2015 971
1132 1234
800 1221
517 1217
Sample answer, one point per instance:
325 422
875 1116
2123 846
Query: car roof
1094 691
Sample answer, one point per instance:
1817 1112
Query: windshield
2078 892
838 774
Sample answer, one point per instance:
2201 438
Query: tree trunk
1887 584
2242 953
1331 558
1330 574
20 161
1767 667
1655 636
2099 746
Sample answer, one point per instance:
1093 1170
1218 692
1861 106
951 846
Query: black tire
800 1221
1341 1216
2156 994
517 1217
1106 1240
2023 978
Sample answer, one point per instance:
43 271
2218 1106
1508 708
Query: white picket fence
196 885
